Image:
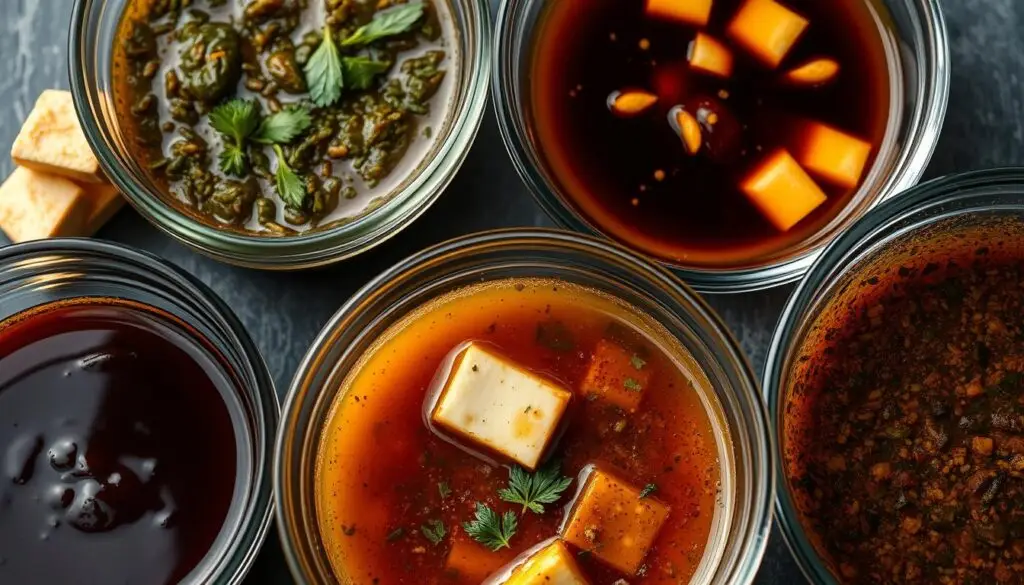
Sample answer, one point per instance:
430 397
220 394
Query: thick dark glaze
117 448
696 215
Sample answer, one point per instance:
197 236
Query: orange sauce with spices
382 474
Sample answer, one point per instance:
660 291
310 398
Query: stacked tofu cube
58 189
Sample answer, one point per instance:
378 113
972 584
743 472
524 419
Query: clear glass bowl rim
926 126
116 267
296 429
305 250
992 190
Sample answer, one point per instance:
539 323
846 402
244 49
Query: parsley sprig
534 490
289 186
236 120
240 121
433 531
491 530
328 73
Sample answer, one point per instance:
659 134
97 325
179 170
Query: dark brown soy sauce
586 50
117 448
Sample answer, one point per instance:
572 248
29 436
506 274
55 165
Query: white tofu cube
551 565
52 141
499 406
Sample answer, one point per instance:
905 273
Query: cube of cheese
472 562
551 565
616 375
104 201
833 155
781 190
612 521
694 12
35 205
766 29
52 141
500 406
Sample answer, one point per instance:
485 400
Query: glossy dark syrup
117 449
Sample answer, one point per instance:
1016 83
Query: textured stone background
283 312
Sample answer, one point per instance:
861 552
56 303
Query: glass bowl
933 220
62 270
93 27
917 53
736 546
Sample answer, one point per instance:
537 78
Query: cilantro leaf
233 161
289 186
444 489
386 23
491 530
360 71
632 385
323 71
283 126
532 491
235 120
648 490
433 531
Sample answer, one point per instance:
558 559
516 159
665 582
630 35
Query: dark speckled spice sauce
117 449
907 454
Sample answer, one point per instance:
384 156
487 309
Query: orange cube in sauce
782 190
612 520
766 29
833 155
616 375
709 55
695 12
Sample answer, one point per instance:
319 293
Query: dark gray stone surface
283 312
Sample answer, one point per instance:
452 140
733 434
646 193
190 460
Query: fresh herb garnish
386 23
632 385
433 531
444 490
395 534
648 490
283 126
323 71
289 186
534 490
491 530
236 120
360 71
638 362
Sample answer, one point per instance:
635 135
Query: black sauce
695 213
117 450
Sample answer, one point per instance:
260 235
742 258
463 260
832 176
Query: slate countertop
283 312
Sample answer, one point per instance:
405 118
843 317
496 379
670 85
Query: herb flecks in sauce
213 92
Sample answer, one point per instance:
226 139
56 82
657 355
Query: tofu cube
104 201
52 141
766 29
612 521
833 155
551 565
472 562
693 12
499 406
782 190
709 55
35 205
616 375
